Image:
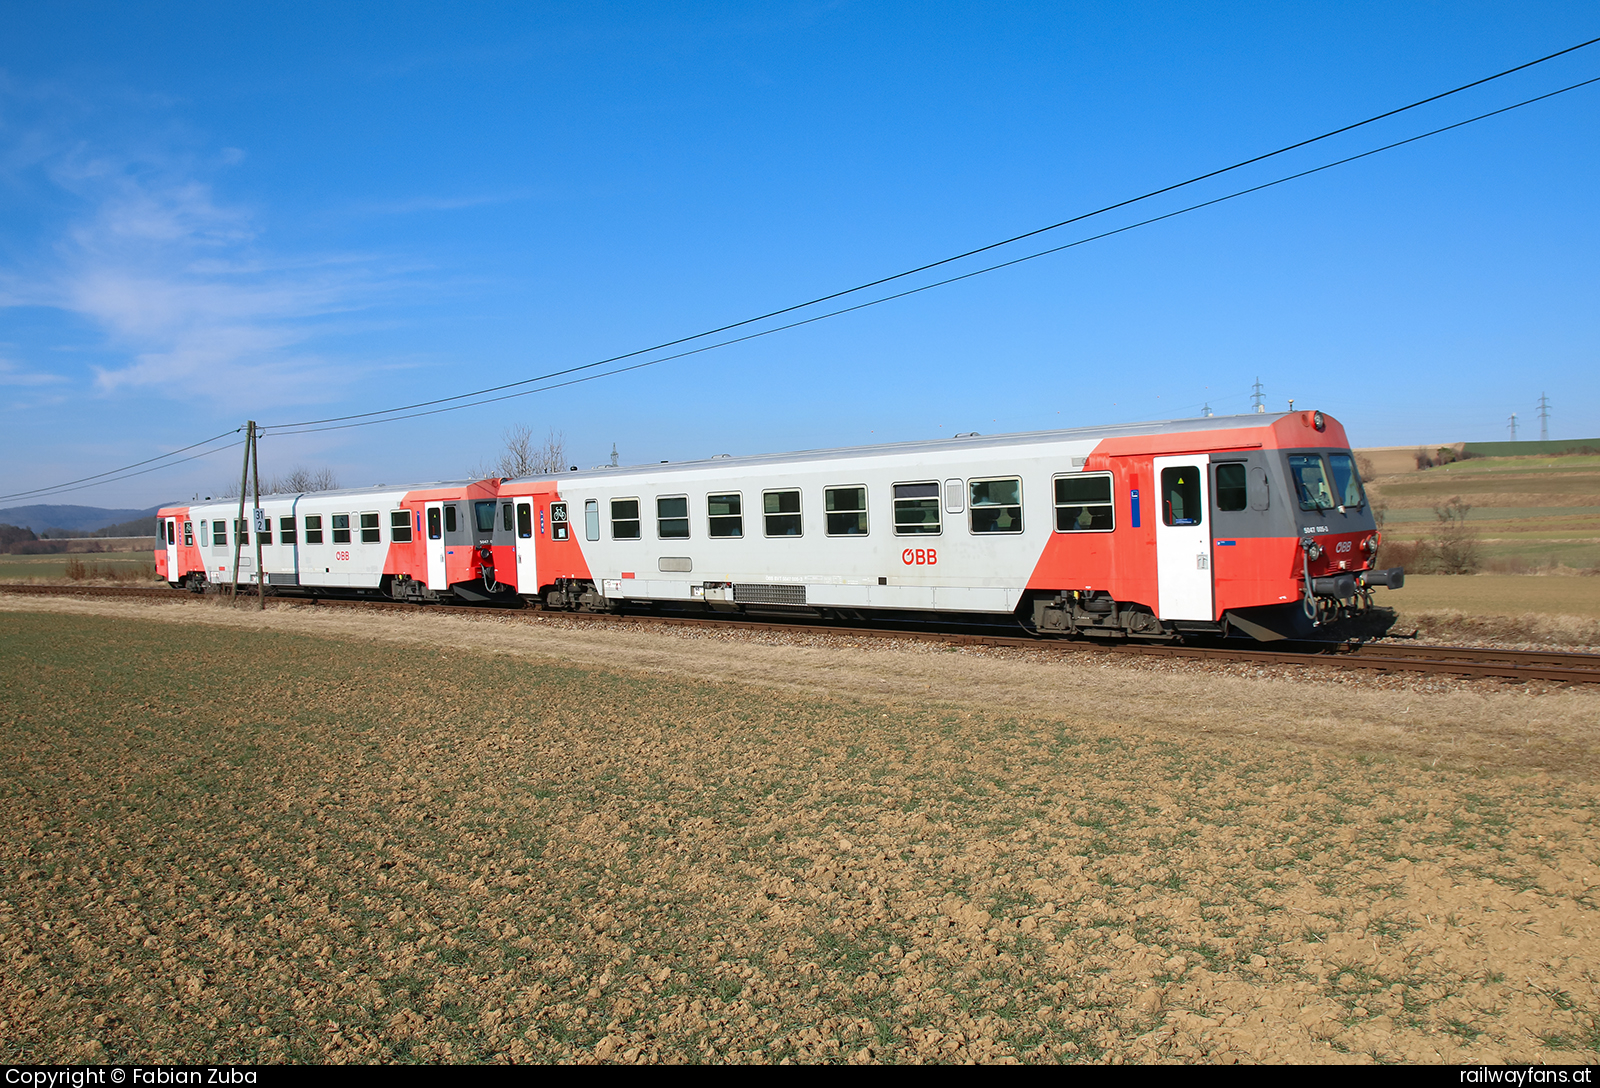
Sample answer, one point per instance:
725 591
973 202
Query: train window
624 519
591 519
1310 481
172 532
286 531
370 533
1083 503
524 520
188 534
313 528
266 531
954 497
219 534
725 515
400 526
434 531
558 521
781 510
846 509
916 509
450 518
1346 481
205 534
506 517
995 506
341 528
1180 496
483 514
1231 486
242 530
672 517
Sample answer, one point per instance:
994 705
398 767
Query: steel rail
1463 661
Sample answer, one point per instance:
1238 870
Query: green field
53 568
1529 512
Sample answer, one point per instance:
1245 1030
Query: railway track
1475 662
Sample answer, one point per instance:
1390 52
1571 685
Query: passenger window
672 518
1083 503
1180 496
370 533
525 520
591 519
313 528
188 534
286 531
205 534
995 506
242 531
505 516
433 524
558 521
450 518
219 534
916 509
624 519
266 531
400 526
846 509
341 528
725 515
781 509
1231 490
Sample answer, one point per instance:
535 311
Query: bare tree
296 481
522 455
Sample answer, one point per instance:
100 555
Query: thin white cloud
181 283
12 374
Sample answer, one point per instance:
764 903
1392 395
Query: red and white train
1253 524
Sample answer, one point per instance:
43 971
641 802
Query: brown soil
358 837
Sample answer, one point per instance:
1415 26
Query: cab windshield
1310 481
1346 481
484 512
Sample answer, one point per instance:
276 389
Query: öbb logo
919 557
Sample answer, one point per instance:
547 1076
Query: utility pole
1544 418
238 526
1513 426
1256 396
1206 411
256 516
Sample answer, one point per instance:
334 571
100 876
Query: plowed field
363 838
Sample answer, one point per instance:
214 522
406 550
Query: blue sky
219 212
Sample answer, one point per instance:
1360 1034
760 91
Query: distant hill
84 519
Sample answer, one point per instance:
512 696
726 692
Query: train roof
1251 420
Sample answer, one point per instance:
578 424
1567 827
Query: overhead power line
99 477
360 421
957 257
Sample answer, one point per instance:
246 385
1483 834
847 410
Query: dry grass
238 844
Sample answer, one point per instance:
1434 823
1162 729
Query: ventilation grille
282 579
765 593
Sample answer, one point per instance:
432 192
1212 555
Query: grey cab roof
938 445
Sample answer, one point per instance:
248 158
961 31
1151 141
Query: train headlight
1370 545
1318 422
1313 549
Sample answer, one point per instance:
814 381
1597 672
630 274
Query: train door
527 569
1183 539
434 527
172 549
